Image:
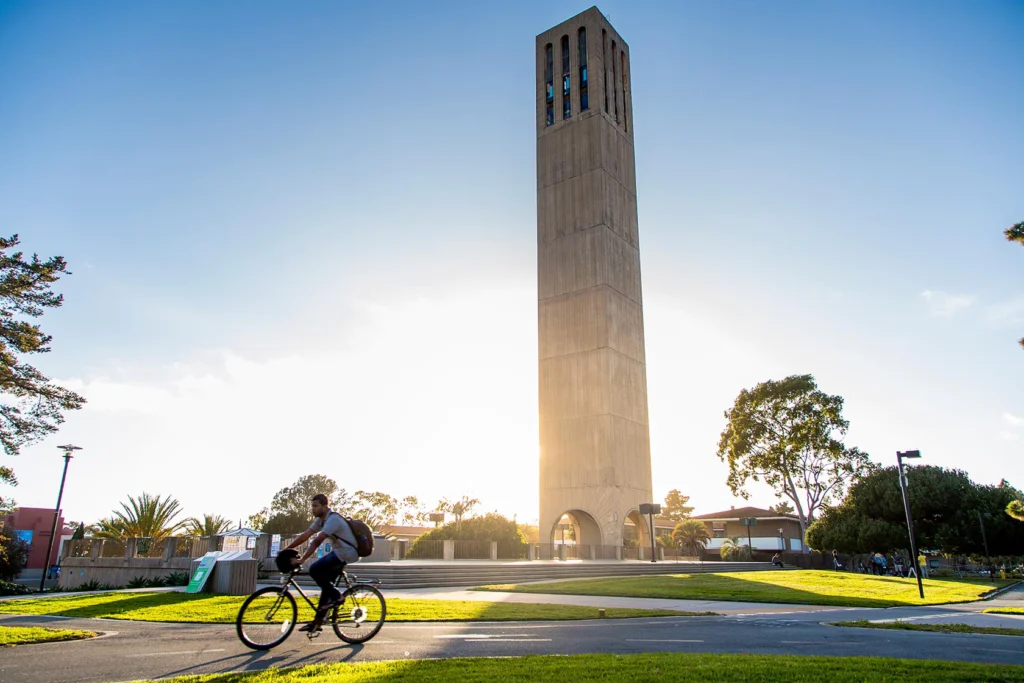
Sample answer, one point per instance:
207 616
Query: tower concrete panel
594 437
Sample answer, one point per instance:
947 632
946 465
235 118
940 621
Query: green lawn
698 668
795 587
24 635
1005 610
935 628
217 609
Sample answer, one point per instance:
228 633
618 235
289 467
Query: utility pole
906 506
988 560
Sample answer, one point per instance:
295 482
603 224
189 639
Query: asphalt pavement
129 651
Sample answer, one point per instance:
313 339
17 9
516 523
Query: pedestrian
836 564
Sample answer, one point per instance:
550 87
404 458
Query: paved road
137 650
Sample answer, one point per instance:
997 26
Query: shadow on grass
858 591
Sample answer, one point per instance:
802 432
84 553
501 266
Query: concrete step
398 575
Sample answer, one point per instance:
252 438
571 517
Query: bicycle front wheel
266 618
361 614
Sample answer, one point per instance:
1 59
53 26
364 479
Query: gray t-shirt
338 532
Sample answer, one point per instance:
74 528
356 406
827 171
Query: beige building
772 531
595 463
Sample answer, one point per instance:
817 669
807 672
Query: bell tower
595 461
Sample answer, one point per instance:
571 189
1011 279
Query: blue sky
303 237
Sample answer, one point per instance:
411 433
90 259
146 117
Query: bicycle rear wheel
361 614
266 618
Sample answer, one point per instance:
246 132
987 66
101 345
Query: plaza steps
406 574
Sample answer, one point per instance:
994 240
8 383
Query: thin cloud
1008 436
943 304
1006 314
1013 419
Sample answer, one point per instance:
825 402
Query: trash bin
233 574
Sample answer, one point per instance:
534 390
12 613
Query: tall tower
595 459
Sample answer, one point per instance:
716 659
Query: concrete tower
595 459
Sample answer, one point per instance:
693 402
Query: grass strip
26 635
934 628
221 609
676 667
1004 610
809 587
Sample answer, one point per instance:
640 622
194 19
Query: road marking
508 640
645 640
180 652
484 636
818 642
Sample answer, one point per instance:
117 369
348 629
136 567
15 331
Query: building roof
241 531
737 513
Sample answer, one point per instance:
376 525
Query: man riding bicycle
327 524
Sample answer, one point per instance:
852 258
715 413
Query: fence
513 550
81 547
150 547
472 550
426 550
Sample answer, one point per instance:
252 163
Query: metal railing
513 550
81 547
426 550
150 547
472 550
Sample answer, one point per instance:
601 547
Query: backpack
363 534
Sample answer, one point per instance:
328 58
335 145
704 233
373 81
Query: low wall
117 571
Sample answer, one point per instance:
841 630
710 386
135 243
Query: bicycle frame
289 582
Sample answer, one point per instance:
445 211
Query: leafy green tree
783 508
145 517
7 504
1015 233
209 525
288 523
79 532
34 407
258 520
788 434
487 527
691 535
295 500
945 504
375 508
733 551
675 507
13 554
1015 508
412 511
459 509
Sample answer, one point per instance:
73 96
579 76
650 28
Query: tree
258 520
294 500
145 517
209 525
691 535
783 508
79 532
1015 233
459 508
1015 508
412 511
287 523
733 551
13 555
945 504
676 507
375 508
487 527
788 434
35 407
8 504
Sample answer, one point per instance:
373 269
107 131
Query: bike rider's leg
324 571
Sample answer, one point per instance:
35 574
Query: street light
900 457
782 539
988 560
651 509
56 513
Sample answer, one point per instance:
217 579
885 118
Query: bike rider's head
319 505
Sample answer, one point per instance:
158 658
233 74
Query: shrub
11 588
488 527
176 579
138 582
735 553
156 582
13 555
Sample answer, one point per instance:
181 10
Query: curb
996 593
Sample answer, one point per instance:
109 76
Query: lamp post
782 539
988 560
56 513
900 457
651 509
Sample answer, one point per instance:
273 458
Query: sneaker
311 627
329 605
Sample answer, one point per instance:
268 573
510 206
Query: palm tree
145 517
1016 509
691 535
209 525
732 550
459 509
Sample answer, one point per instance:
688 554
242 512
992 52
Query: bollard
600 614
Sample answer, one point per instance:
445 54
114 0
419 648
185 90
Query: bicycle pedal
313 634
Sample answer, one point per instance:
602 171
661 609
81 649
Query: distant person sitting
777 560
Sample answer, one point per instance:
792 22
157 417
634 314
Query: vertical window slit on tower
623 73
566 104
604 66
584 81
615 89
549 83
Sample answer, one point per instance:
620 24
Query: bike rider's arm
300 539
314 544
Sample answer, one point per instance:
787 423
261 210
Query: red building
33 526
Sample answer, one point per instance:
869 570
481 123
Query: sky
303 237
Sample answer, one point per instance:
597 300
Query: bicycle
268 616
